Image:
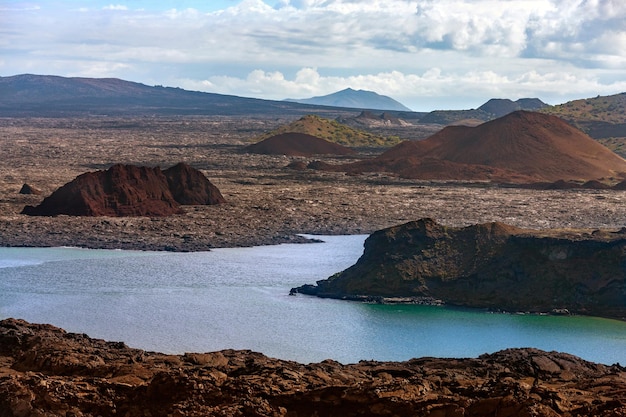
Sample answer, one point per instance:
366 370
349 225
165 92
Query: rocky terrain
45 371
491 265
266 202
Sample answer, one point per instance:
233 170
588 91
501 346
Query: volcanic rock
29 189
621 186
128 190
45 371
571 185
521 147
298 144
490 265
122 190
190 187
297 165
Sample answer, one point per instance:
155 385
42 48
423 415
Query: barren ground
267 202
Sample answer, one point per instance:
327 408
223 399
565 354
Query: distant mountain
355 99
53 96
499 107
454 117
492 109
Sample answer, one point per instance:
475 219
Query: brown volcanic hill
128 190
519 147
333 131
298 144
122 190
190 187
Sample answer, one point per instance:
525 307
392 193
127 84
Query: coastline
257 215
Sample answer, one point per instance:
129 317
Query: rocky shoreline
45 371
490 266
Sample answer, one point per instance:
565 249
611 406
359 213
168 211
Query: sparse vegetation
617 145
610 109
333 131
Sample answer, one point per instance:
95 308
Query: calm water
238 298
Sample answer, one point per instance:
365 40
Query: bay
238 298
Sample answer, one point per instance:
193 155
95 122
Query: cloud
408 49
115 7
418 91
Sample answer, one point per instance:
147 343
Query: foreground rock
128 190
490 265
45 371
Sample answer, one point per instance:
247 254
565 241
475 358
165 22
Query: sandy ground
267 202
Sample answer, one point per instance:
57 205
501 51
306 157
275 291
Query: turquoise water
238 298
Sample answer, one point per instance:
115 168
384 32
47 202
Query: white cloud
418 91
299 48
115 7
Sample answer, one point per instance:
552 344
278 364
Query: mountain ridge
55 96
356 99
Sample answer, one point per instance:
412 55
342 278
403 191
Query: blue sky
428 54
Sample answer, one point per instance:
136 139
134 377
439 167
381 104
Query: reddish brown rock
128 190
122 190
521 147
190 187
298 144
45 371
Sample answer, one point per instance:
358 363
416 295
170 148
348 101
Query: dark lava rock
45 371
29 189
491 265
128 190
297 165
620 186
190 187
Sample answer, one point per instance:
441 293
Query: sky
427 54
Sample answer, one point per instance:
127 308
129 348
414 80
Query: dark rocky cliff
45 371
491 266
